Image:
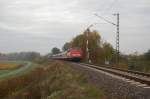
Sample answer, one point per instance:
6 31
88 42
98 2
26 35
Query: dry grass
122 66
52 80
8 65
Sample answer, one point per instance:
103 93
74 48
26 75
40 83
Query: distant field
10 69
8 65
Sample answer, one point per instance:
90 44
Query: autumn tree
108 51
66 46
98 50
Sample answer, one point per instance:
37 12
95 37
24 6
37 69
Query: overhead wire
108 8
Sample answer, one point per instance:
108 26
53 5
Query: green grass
51 80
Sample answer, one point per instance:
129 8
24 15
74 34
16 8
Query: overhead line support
117 33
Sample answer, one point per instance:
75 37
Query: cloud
42 24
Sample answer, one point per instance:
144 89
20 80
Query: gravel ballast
115 86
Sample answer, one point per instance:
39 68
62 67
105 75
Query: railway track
143 78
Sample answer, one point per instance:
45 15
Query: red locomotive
72 54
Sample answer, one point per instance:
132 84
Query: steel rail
129 71
123 73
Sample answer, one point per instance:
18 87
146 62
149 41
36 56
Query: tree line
101 52
27 56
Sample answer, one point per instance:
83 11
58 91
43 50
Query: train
72 54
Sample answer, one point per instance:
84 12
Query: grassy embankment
51 80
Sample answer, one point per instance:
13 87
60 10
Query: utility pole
117 34
87 45
87 31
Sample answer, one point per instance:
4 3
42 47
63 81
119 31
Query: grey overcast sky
39 25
